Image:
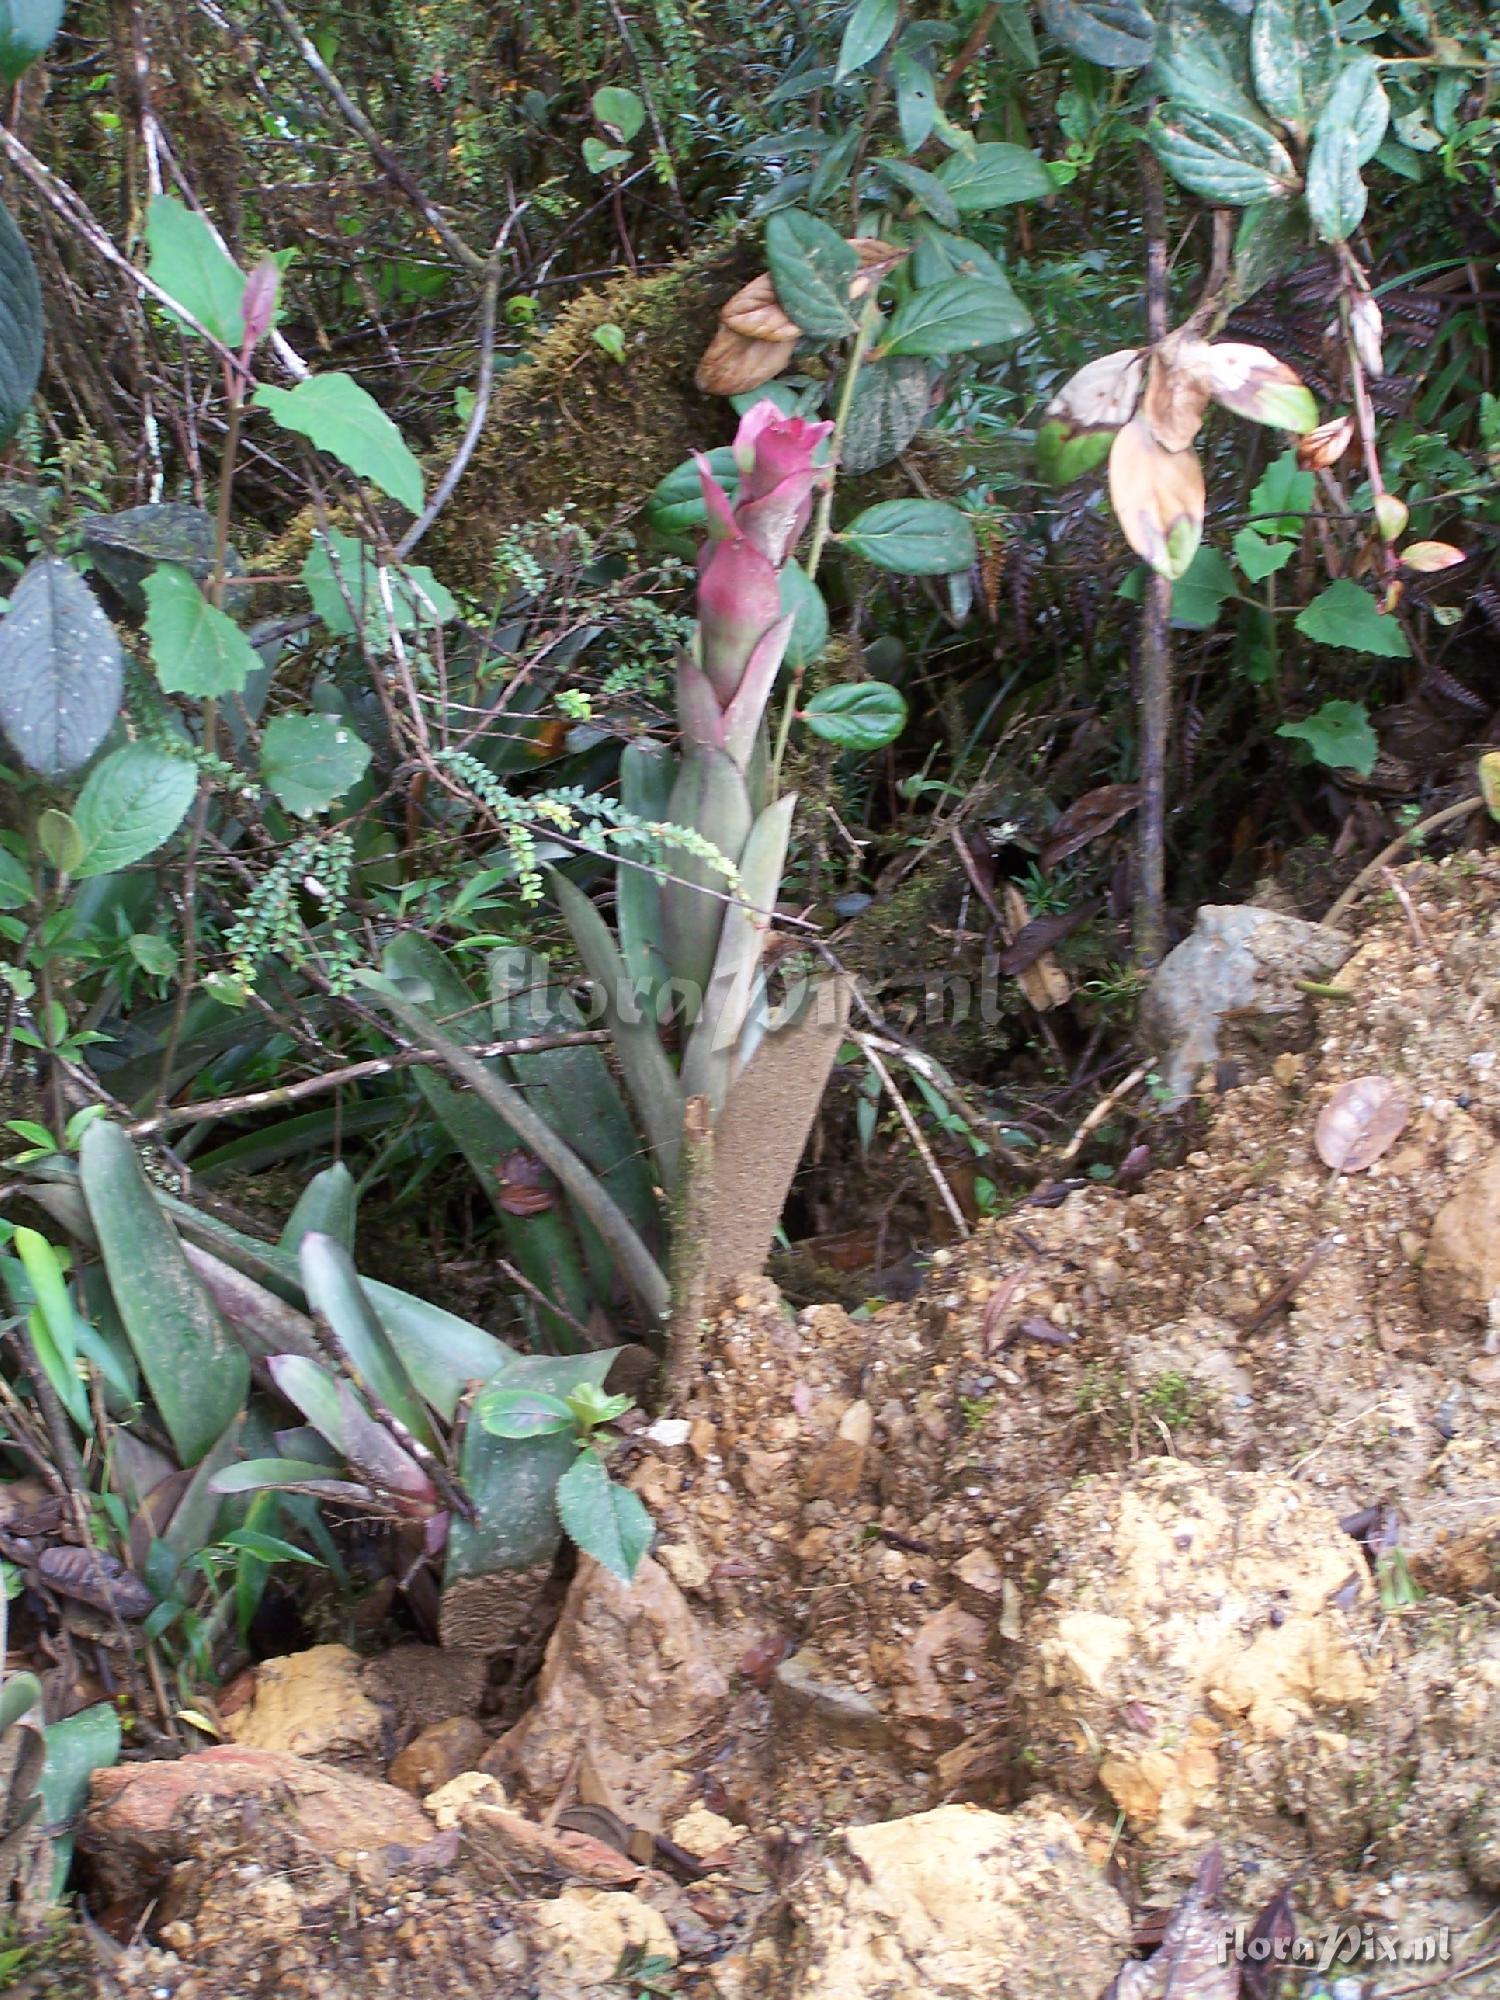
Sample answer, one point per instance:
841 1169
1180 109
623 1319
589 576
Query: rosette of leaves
1141 409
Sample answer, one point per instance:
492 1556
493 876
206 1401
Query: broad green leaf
1358 103
128 545
1339 735
608 1522
924 188
309 761
61 843
619 109
675 511
61 669
1116 34
196 649
940 254
602 159
889 406
28 29
1200 591
1260 558
186 261
866 33
1294 52
1227 159
197 1371
1200 60
1336 194
326 1205
343 580
77 1746
1346 615
857 715
916 99
130 803
1015 35
335 1294
1282 497
912 537
811 266
992 176
22 326
802 598
955 317
345 420
521 1413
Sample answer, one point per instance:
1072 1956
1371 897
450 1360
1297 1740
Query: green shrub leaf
811 266
1346 615
889 406
1225 158
21 326
196 649
619 110
1294 52
311 760
992 176
857 715
28 29
959 314
345 420
185 259
130 803
1339 735
912 537
343 580
522 1413
1116 34
866 33
608 1522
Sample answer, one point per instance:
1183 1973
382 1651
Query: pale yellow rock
310 1704
948 1902
685 1563
451 1804
581 1936
701 1832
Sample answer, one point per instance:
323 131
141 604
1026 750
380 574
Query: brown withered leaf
1040 935
757 313
1363 1119
523 1184
1326 445
1086 819
877 259
1253 383
1044 982
1103 394
1177 393
732 364
1158 497
94 1578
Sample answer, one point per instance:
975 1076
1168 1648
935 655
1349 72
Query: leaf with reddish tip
1363 1119
1158 497
1428 556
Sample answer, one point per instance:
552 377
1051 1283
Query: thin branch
1155 704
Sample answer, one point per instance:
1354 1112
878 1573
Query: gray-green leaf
866 33
912 537
343 580
1294 52
61 670
857 715
1117 34
811 266
1226 159
889 406
130 803
310 760
21 326
345 420
28 29
955 316
196 649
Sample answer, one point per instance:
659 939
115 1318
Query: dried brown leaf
1326 445
1158 497
1363 1119
733 364
95 1578
757 313
1103 394
1040 935
523 1184
1043 982
1086 819
1252 382
1177 393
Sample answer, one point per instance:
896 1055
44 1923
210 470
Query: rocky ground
1161 1525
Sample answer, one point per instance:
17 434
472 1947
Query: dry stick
1150 925
979 34
1339 910
1102 1110
175 1116
914 1133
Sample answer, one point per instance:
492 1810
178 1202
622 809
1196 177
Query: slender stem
1339 910
1150 916
823 516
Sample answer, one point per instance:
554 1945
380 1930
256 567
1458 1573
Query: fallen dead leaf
1363 1119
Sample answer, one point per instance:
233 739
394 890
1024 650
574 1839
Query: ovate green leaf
888 408
61 669
619 109
196 649
185 259
28 29
343 579
857 715
21 326
1294 52
912 537
993 175
309 761
954 317
1117 34
866 33
608 1522
811 266
130 803
1339 735
345 420
1227 159
1346 615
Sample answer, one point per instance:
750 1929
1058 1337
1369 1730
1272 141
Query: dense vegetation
458 845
